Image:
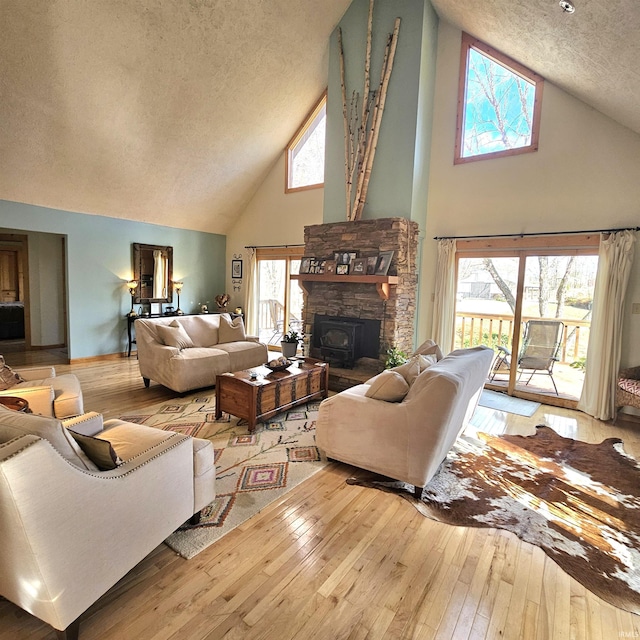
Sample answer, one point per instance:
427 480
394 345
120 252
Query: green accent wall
399 180
99 262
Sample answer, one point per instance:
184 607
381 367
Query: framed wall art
236 269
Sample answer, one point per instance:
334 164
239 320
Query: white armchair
69 532
47 393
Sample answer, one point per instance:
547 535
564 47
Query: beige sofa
70 531
408 439
47 393
188 352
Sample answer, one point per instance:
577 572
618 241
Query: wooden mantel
382 282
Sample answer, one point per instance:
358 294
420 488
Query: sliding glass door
279 297
532 306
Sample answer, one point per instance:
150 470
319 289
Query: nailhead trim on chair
94 473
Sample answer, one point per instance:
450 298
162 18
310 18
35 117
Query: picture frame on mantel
384 262
359 267
372 262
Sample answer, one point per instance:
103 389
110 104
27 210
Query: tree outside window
499 105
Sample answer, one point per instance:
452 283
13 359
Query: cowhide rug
578 502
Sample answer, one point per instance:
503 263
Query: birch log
369 132
347 135
372 141
367 81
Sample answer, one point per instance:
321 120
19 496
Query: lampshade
178 286
133 285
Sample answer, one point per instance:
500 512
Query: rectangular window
304 156
499 104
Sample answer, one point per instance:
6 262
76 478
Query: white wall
585 176
272 217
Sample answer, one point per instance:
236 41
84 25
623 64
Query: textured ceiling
593 54
165 111
173 111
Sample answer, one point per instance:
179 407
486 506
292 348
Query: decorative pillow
411 369
99 451
429 347
8 377
14 424
231 330
174 335
389 386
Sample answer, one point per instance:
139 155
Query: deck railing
495 330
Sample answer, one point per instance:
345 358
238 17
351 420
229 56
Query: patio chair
540 346
276 310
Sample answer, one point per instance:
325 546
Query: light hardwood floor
330 560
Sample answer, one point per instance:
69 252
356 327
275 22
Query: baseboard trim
44 347
100 358
627 417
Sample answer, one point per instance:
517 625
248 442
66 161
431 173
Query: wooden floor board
330 560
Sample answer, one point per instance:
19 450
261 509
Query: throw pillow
8 377
389 386
231 330
174 335
14 424
411 369
99 451
429 347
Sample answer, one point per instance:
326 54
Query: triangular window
304 157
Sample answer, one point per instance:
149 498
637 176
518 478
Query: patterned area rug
252 470
578 502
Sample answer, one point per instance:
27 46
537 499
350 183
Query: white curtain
159 268
605 342
251 304
444 303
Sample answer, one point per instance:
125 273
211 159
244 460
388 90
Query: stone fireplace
387 306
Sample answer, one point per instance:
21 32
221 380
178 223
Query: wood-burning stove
339 341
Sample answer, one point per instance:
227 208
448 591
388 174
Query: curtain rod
272 246
543 233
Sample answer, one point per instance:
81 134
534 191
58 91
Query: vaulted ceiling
592 54
172 112
165 111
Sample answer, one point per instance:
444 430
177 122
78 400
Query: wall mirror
153 270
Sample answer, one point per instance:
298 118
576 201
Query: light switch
635 307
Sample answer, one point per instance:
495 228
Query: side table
15 403
130 320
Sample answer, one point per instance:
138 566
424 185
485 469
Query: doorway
33 278
279 297
532 301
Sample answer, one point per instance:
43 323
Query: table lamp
132 285
178 287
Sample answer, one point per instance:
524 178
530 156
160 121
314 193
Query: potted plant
395 357
289 343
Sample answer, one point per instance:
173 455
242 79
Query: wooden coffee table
271 392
